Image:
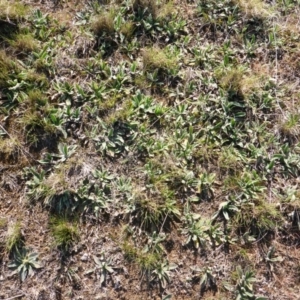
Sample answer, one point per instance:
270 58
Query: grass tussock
12 10
8 67
127 29
156 59
24 43
104 23
289 127
177 119
256 8
232 79
65 233
148 7
14 238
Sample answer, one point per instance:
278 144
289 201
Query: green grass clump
7 67
127 29
144 260
3 223
231 79
37 98
12 10
24 43
257 218
9 148
104 24
156 59
65 233
255 8
14 237
289 127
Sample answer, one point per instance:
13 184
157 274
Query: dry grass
256 8
14 238
12 10
7 67
9 147
148 6
24 43
155 58
104 23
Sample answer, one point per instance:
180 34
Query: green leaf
102 278
23 274
203 279
172 266
228 286
109 269
226 215
97 260
90 271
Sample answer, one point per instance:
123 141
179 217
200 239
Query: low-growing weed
162 273
195 230
243 288
14 11
25 263
103 268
